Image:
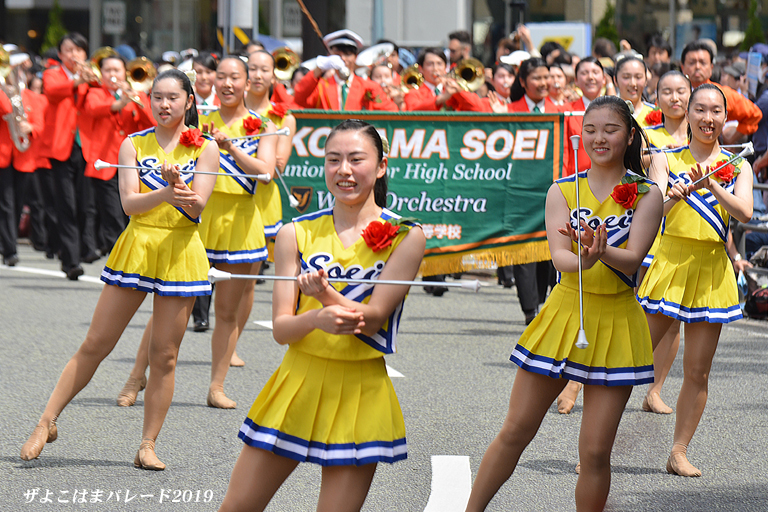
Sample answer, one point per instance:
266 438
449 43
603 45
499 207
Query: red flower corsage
653 117
627 191
192 137
379 235
727 173
252 125
278 110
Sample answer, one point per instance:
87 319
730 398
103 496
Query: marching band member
691 278
204 66
673 93
333 85
331 398
502 79
261 71
630 76
110 115
615 187
16 166
590 78
384 75
65 87
437 91
160 252
233 229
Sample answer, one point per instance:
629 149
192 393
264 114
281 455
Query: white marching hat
343 37
515 58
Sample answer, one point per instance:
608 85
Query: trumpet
469 74
411 78
12 88
286 62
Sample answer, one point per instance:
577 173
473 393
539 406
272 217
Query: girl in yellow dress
670 136
159 252
630 78
261 72
331 402
233 230
620 215
691 278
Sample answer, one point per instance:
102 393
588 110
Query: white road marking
390 371
451 483
52 273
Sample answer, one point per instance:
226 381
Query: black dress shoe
529 317
11 260
438 291
90 257
429 289
201 326
75 272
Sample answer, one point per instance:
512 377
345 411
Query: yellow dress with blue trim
642 112
232 228
659 138
268 195
691 277
331 401
619 351
160 251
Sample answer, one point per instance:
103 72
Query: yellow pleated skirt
165 261
692 281
232 230
270 205
619 352
328 411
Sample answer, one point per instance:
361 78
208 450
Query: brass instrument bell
286 62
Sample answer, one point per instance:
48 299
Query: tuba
286 62
411 78
12 87
469 74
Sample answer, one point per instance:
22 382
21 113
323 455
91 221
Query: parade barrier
477 183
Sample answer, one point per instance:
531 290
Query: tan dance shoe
219 400
653 403
568 396
678 464
36 442
127 395
236 361
146 457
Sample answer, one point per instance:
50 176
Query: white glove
331 62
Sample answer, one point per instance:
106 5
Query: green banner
476 182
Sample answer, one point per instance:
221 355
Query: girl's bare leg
244 312
603 407
256 477
531 396
700 345
344 488
663 356
115 308
137 380
228 297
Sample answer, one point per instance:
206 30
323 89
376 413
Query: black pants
112 219
48 199
532 281
9 222
75 208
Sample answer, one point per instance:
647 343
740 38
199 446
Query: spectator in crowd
459 46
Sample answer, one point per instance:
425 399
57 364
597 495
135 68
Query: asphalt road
453 358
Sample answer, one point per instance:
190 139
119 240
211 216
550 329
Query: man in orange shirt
696 61
333 85
65 86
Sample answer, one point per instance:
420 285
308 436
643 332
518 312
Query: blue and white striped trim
158 286
233 257
691 315
647 260
313 215
594 375
154 181
271 231
704 204
344 454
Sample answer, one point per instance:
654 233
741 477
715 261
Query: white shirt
531 104
208 101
